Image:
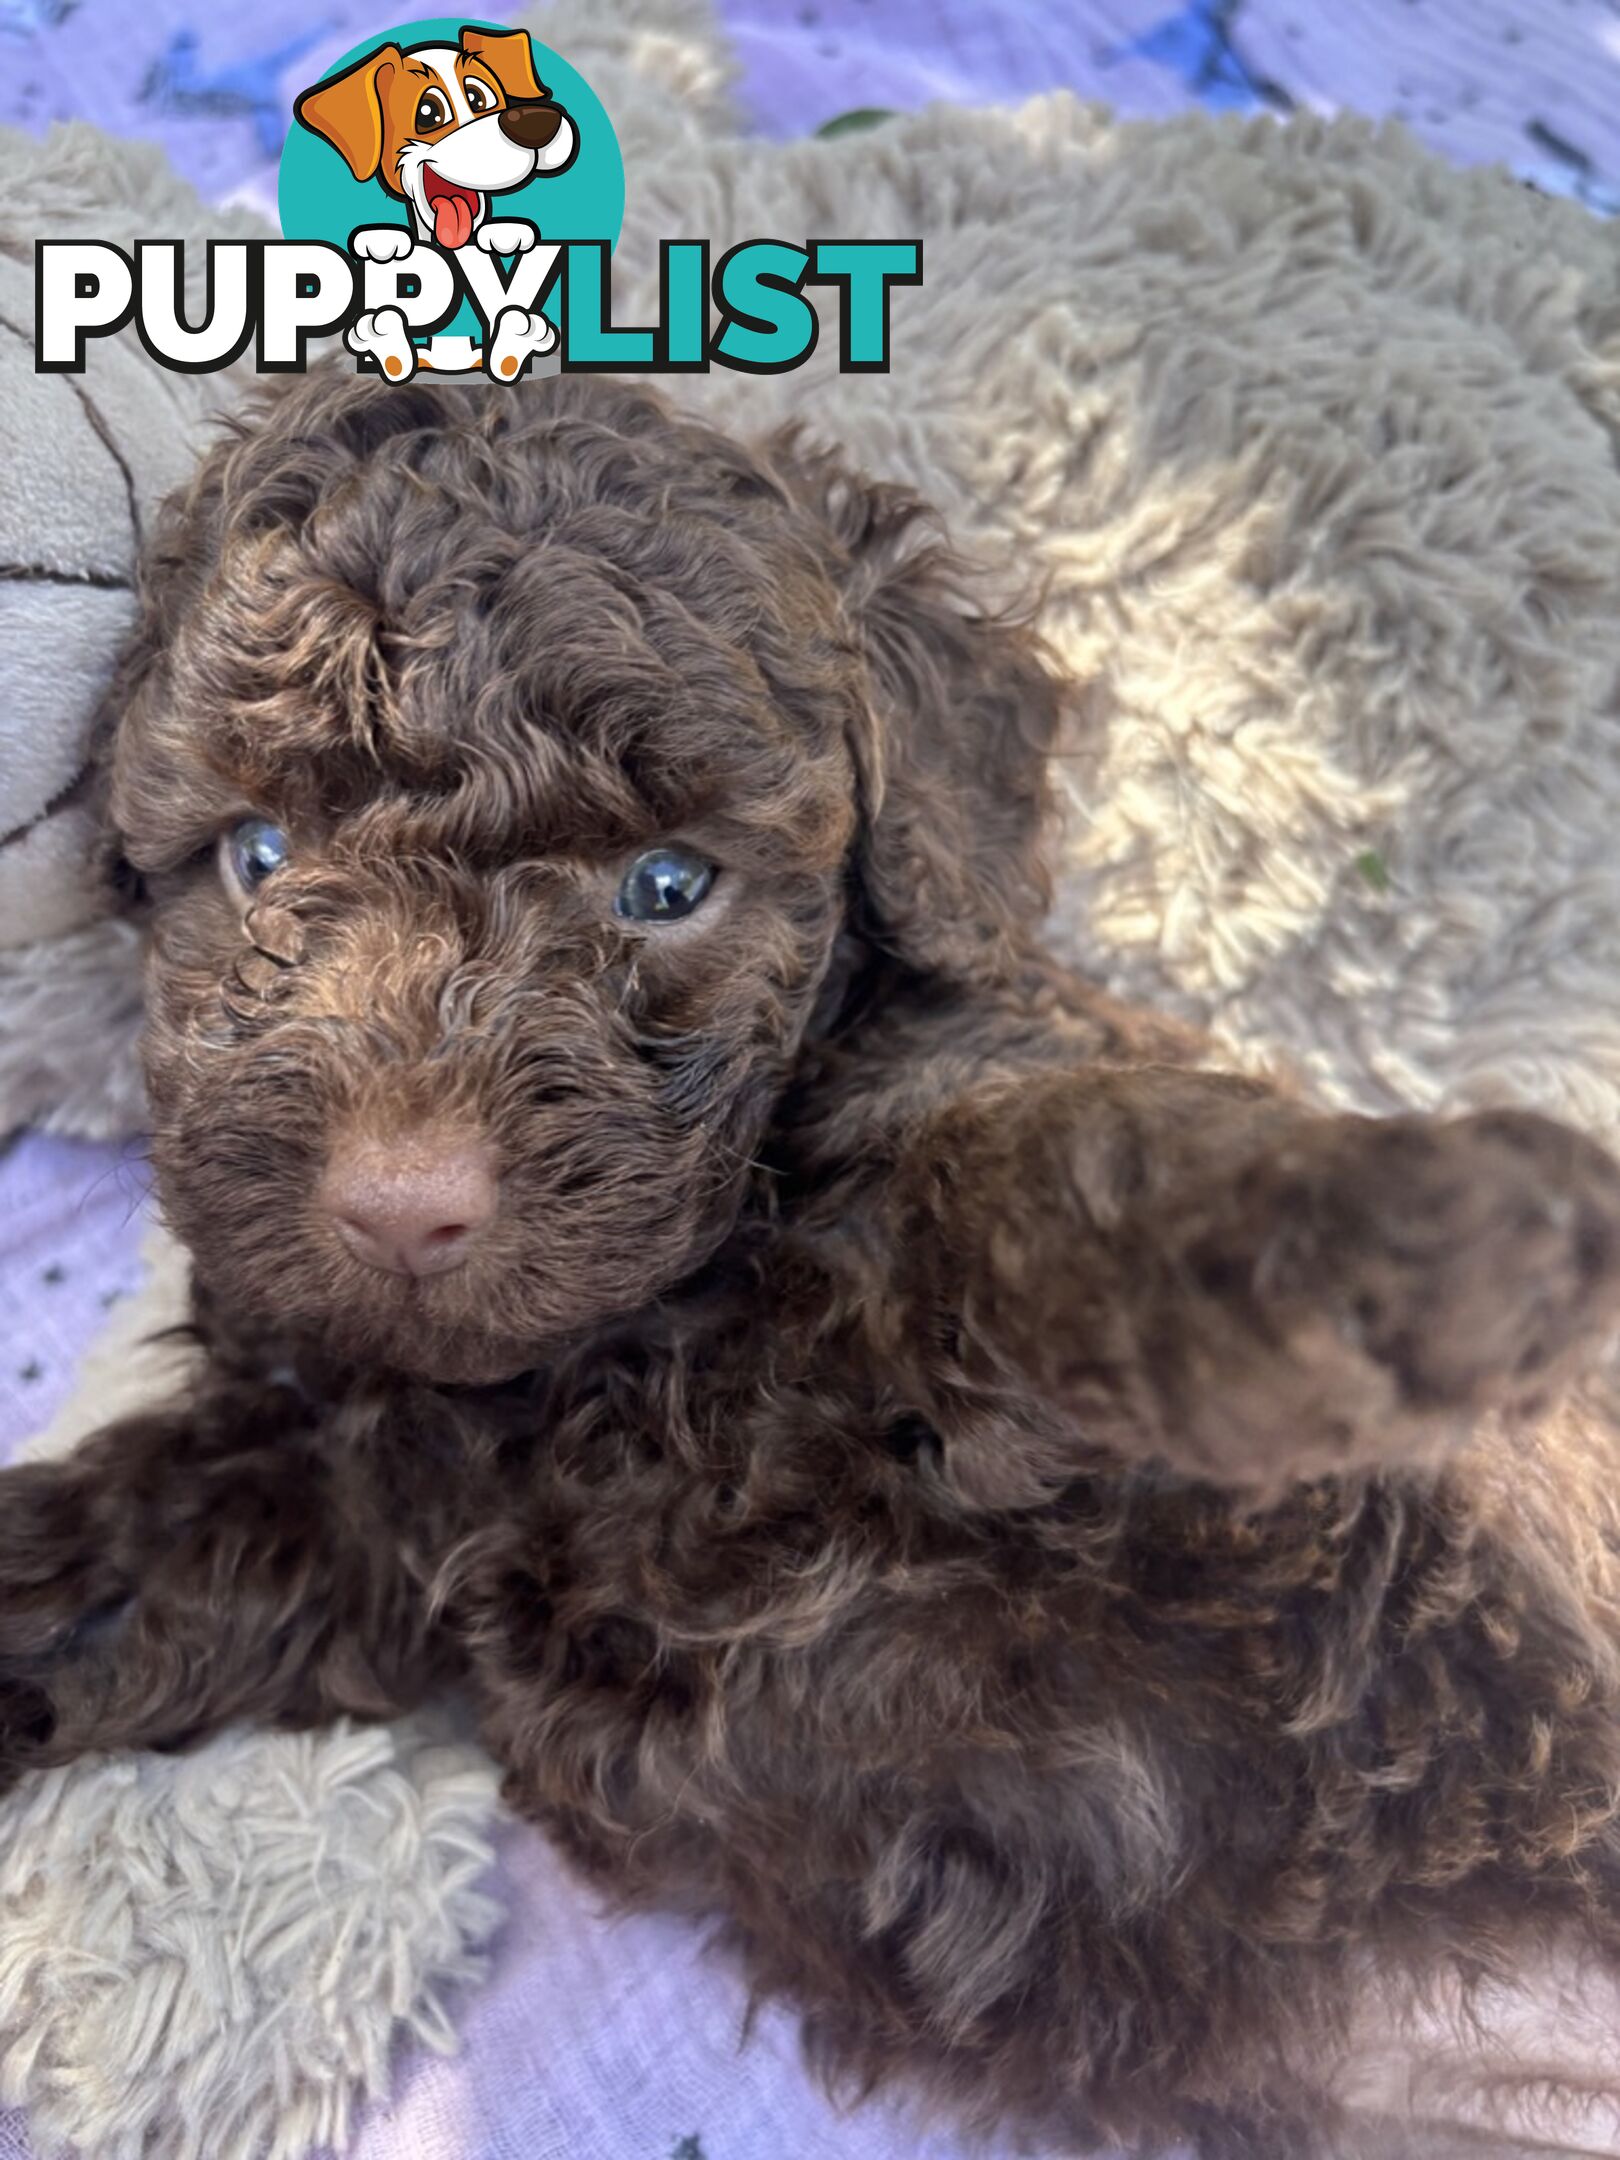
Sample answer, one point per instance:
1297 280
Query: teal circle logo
454 129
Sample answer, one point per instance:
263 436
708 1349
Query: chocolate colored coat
1077 1557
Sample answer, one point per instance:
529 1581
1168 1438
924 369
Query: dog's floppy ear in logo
444 128
511 57
347 111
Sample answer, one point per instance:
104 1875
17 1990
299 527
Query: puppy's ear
178 556
509 57
951 747
346 110
123 888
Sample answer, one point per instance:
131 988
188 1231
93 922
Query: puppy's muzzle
531 125
412 1204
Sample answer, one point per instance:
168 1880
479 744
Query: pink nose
411 1205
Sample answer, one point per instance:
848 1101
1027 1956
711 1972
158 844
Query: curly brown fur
1076 1557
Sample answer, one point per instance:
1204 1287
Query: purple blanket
1530 84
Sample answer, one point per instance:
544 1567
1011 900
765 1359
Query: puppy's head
502 775
444 127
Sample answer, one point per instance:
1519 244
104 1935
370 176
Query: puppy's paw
518 338
1475 1261
507 236
383 337
383 243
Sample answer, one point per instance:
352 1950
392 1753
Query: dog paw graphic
507 236
518 337
382 243
383 336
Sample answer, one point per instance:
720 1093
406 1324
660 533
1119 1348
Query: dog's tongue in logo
454 209
443 128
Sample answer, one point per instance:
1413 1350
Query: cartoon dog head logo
444 128
411 190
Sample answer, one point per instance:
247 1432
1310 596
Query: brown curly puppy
1081 1560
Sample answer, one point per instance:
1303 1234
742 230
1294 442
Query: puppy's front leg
195 1566
1185 1265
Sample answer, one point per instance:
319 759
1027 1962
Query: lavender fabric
1528 83
622 2039
70 1218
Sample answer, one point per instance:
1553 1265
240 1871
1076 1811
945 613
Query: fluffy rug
85 459
1310 445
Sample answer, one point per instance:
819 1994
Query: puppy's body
1075 1557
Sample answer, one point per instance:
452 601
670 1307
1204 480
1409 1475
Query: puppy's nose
411 1205
531 125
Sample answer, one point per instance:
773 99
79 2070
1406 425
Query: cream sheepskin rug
212 1956
1310 445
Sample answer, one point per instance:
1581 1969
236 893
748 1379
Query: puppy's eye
478 97
664 885
431 110
254 851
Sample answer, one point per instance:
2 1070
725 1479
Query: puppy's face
486 762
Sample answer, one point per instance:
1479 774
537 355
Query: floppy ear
951 746
510 58
347 110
